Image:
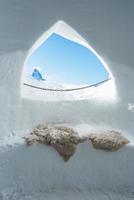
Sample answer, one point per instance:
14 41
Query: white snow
29 172
103 92
130 106
68 195
38 172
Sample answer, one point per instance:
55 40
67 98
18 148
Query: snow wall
18 114
39 168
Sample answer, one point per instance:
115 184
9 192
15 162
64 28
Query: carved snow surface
108 140
65 140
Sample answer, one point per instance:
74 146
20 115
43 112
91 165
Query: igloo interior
37 172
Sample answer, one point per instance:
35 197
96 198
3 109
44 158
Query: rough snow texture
68 195
65 139
39 171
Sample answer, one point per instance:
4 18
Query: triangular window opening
61 63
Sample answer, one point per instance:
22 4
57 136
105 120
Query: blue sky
66 62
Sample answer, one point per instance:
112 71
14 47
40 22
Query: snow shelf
36 170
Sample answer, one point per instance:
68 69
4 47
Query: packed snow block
108 140
40 169
63 139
